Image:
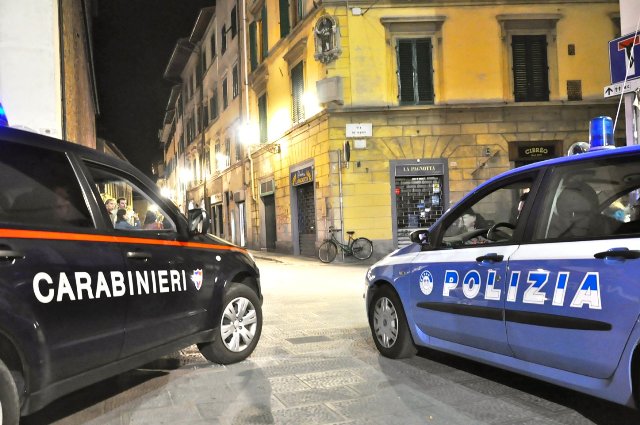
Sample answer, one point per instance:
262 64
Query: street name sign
617 89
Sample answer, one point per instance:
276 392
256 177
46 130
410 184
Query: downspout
245 70
203 141
63 120
340 193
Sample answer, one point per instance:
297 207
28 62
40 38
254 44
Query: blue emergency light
601 133
3 117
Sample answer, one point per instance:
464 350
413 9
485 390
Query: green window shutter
285 26
253 46
234 22
265 35
297 90
415 71
530 68
225 94
405 71
213 106
223 46
262 117
424 70
212 41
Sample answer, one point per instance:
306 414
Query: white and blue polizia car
536 271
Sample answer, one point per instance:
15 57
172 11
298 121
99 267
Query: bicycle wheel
327 252
362 248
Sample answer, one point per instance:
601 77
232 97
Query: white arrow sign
617 89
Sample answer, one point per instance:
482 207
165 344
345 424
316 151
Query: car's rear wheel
239 328
9 400
389 325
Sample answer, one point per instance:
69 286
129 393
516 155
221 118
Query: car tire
389 326
9 399
239 329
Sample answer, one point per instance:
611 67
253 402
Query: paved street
316 364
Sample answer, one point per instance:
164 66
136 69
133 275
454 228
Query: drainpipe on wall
340 192
63 106
245 72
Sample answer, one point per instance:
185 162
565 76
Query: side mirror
198 223
420 236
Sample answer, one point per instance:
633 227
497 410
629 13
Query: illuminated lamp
601 133
3 117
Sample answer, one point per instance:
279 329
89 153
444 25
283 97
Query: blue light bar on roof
3 117
601 133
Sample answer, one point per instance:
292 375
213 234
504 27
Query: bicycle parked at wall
361 248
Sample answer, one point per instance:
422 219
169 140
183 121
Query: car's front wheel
9 400
239 328
389 325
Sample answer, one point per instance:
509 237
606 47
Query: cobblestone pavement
316 364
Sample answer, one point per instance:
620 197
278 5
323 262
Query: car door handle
493 258
10 255
139 255
624 253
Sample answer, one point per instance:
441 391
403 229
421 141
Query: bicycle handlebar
333 229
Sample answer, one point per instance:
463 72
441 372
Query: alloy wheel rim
385 322
239 324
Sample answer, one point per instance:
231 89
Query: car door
459 284
573 295
168 287
56 269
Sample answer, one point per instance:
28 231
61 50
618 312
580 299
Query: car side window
39 187
491 219
598 199
127 205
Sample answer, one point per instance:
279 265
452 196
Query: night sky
133 41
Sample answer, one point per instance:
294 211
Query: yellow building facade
425 100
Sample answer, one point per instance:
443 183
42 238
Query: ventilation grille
266 188
574 89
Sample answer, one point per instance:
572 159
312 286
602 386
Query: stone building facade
377 118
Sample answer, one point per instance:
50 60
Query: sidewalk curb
260 257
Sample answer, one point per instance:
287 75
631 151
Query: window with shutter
225 94
264 42
234 22
227 151
530 68
297 90
212 42
253 45
238 149
213 106
223 47
415 71
235 86
262 117
285 26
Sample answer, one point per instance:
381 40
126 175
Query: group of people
122 220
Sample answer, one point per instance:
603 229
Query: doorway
269 203
306 219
